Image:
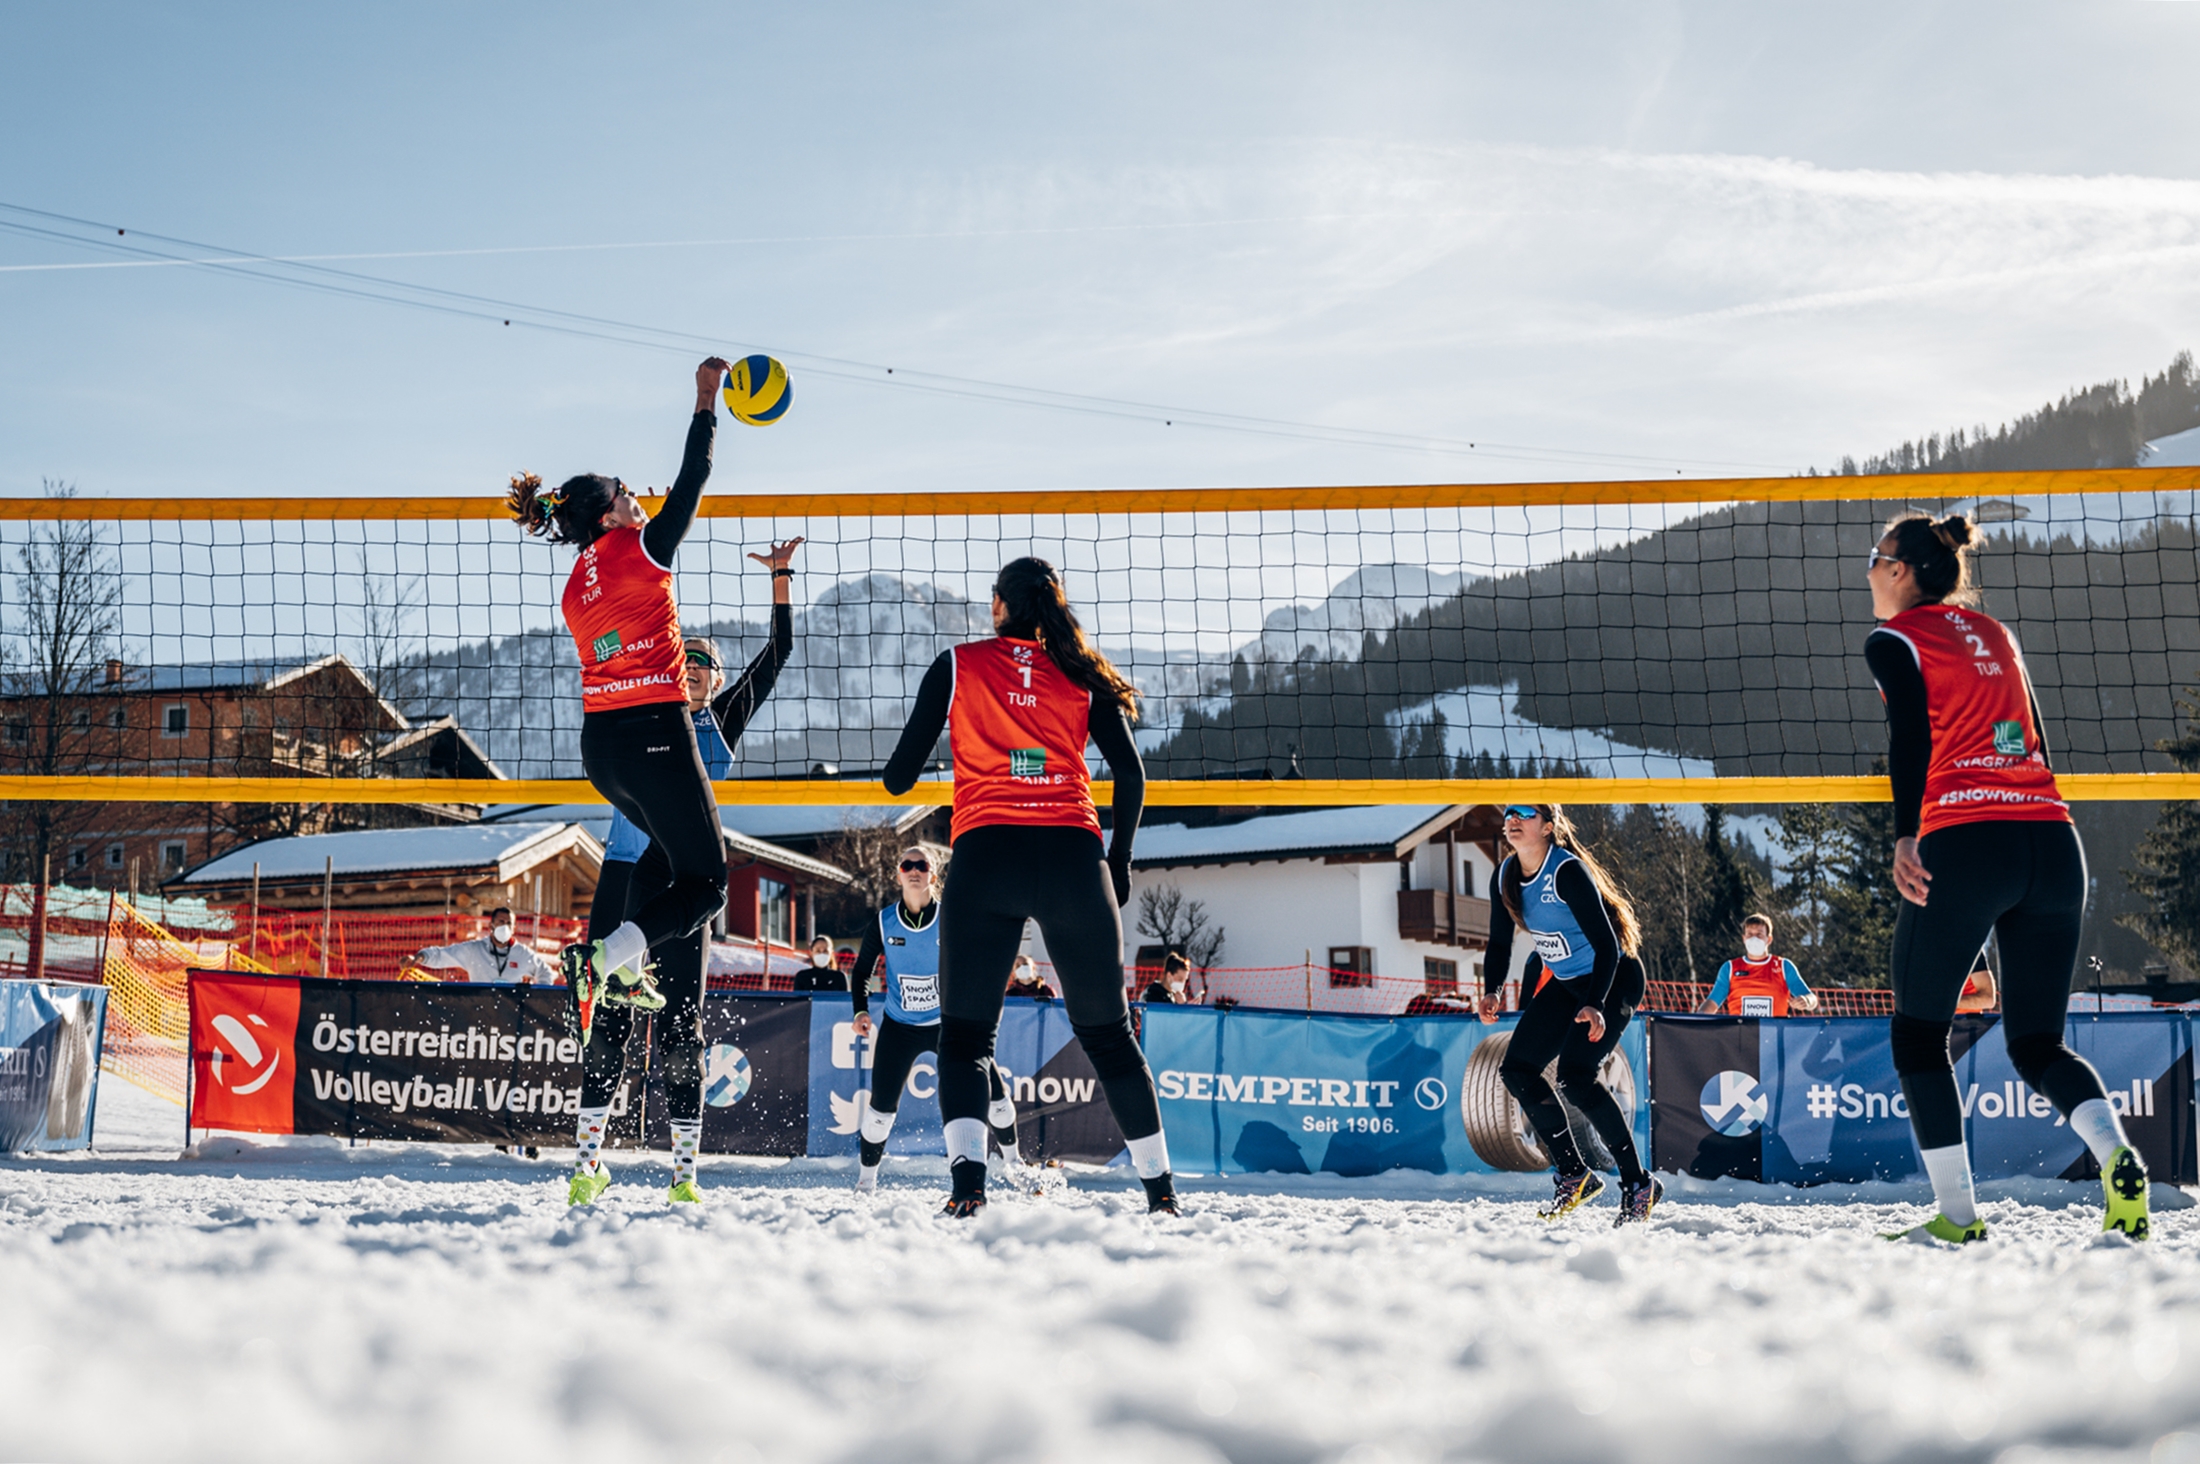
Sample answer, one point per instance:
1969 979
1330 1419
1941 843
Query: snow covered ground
307 1301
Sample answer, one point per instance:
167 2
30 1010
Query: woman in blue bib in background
903 947
1581 989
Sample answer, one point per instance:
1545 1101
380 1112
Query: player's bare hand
863 1024
1595 1021
781 556
1487 1010
708 378
1911 876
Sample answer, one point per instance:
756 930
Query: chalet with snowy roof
294 718
544 867
1333 910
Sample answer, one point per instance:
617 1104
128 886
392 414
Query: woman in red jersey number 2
1983 842
1019 710
637 743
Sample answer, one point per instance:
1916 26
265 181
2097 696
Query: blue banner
1253 1091
1811 1101
52 1037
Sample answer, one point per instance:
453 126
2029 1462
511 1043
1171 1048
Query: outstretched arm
922 732
669 524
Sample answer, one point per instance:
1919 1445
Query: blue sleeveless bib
1559 938
912 994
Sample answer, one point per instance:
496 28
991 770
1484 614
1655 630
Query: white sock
866 1178
625 948
687 1138
588 1135
966 1139
1150 1155
876 1125
2096 1123
1950 1171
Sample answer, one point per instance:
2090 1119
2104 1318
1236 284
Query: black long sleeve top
669 524
1111 733
1580 894
737 704
1910 724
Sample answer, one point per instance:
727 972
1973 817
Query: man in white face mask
498 958
1758 983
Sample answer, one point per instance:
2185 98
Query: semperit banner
51 1038
1812 1101
1248 1091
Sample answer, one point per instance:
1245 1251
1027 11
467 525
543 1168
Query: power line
303 273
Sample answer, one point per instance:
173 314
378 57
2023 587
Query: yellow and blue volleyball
758 391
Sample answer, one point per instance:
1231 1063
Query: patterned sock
687 1137
588 1136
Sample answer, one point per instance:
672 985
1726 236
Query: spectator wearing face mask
823 973
1758 983
1173 987
497 959
1024 980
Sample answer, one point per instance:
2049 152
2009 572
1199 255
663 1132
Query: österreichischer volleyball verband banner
468 1064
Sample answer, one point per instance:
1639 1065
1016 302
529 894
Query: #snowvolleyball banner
1250 1092
1811 1101
52 1037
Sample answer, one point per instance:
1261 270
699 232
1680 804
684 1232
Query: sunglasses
1877 558
915 866
1521 811
702 658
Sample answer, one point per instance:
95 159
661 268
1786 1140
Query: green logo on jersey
1027 762
607 645
2009 739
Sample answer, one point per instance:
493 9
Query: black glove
1120 869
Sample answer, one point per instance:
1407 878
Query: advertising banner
756 1077
455 1063
1060 1111
1803 1101
1250 1091
52 1036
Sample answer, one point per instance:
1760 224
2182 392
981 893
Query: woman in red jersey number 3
1983 842
1019 710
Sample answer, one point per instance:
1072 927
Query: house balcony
1443 919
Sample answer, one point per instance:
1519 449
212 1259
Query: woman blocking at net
1019 710
1585 938
903 946
637 742
1983 843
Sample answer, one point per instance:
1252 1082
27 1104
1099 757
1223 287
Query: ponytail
1038 610
571 513
1616 903
1938 553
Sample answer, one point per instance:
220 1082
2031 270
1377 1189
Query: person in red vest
1983 845
1758 983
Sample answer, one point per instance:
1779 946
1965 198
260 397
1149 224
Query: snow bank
381 1302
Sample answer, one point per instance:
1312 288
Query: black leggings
895 1050
1547 1029
2025 882
681 964
1001 876
644 760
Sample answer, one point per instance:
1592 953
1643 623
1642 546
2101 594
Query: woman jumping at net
1983 843
1019 710
903 947
1585 937
638 744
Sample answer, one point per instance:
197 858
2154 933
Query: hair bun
1956 532
523 503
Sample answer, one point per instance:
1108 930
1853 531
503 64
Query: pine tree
1811 838
1862 902
1731 888
2167 875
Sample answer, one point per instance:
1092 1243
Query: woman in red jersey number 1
1983 842
1019 710
637 743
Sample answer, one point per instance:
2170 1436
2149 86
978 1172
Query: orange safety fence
368 945
147 969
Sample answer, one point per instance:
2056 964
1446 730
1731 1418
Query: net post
328 888
253 953
35 967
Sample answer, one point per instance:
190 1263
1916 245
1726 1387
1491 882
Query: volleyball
758 390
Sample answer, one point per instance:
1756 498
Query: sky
1594 240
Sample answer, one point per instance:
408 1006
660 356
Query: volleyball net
1600 642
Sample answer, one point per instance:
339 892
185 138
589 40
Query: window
118 718
775 911
172 855
1351 966
81 717
175 721
1439 977
19 732
114 856
249 718
79 857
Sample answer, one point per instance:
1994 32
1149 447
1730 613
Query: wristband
782 574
